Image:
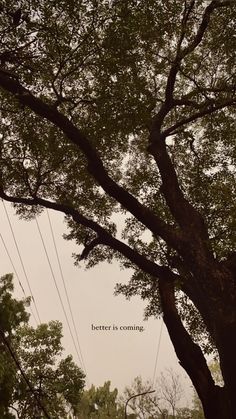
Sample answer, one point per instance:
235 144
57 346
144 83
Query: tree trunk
218 402
227 352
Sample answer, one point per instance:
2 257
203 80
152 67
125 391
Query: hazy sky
115 355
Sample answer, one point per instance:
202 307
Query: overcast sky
115 355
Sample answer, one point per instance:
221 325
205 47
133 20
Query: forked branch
95 164
104 237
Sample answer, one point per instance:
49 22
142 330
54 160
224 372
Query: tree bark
227 352
217 401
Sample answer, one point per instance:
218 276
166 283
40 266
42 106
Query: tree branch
14 408
213 108
181 54
184 213
103 236
175 66
203 26
88 247
188 352
19 367
95 164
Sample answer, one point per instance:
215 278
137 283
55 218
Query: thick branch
103 236
184 213
95 165
188 352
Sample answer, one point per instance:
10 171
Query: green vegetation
100 403
57 382
126 107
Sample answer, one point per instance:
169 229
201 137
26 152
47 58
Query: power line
16 274
65 289
21 261
17 363
158 351
58 291
13 266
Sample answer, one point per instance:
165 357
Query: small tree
56 383
141 406
163 403
170 389
99 403
12 314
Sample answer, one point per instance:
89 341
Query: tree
99 403
56 383
162 404
216 374
127 107
170 389
12 315
145 405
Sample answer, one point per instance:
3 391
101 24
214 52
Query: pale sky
115 355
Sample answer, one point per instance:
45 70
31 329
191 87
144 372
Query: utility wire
158 351
22 264
58 291
65 289
13 266
17 363
16 274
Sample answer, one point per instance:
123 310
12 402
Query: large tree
127 107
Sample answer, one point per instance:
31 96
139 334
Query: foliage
197 407
164 402
99 403
57 382
116 107
216 372
12 312
12 315
186 413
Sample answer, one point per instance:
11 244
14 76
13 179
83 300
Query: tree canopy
100 403
12 314
56 383
116 110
